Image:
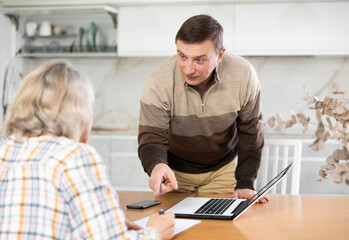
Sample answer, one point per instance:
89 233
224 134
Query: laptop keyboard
215 206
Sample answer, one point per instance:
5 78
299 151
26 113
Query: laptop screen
268 186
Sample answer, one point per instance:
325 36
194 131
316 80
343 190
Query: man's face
197 61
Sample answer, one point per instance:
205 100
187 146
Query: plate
101 41
81 35
85 47
91 37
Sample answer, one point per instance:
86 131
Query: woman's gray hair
55 99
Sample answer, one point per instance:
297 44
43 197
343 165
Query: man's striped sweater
195 134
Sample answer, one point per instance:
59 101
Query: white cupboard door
151 30
292 28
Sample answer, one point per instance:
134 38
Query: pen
162 211
165 181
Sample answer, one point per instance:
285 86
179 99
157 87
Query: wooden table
284 217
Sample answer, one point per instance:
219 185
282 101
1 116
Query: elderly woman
52 184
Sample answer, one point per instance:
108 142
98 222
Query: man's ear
220 54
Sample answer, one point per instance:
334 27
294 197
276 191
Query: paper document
180 224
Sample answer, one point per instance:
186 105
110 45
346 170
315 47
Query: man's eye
182 57
200 60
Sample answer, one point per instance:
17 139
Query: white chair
277 155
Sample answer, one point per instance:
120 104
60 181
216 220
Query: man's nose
189 68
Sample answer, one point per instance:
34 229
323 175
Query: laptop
221 208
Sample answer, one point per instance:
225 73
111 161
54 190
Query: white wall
118 84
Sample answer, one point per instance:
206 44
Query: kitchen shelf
67 55
52 36
54 9
14 12
57 12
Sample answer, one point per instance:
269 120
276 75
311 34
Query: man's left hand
247 194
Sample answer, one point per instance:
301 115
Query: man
199 117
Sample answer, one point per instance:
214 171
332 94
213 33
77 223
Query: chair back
278 154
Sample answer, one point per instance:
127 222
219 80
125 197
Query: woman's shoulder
61 147
73 154
71 145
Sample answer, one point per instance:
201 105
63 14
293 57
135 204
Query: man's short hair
200 28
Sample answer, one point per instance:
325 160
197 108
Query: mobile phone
143 204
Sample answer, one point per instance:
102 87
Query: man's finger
157 190
173 180
155 185
165 188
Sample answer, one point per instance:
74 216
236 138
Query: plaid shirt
55 188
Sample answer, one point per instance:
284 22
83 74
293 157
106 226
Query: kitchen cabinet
74 30
251 28
151 30
121 158
298 28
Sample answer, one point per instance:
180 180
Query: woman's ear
86 133
84 136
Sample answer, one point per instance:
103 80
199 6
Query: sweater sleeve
250 132
153 126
